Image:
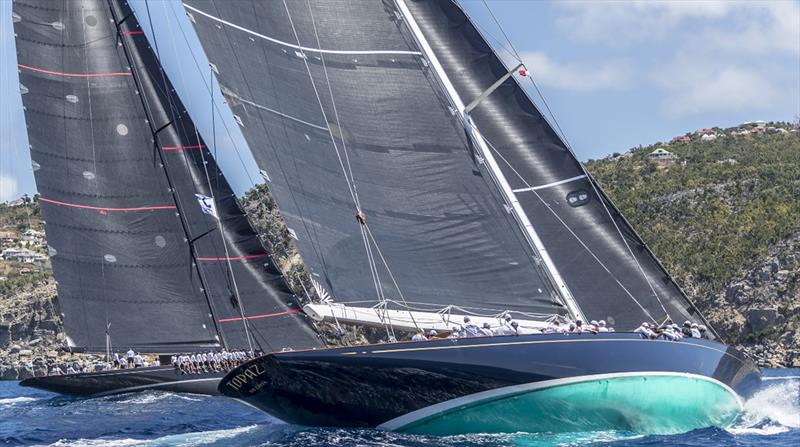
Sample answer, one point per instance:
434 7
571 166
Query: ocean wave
17 400
183 440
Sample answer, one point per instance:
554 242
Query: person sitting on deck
644 330
703 331
667 324
486 330
116 361
517 330
695 330
505 328
687 329
455 332
601 326
56 371
669 334
129 356
470 329
419 336
71 370
432 334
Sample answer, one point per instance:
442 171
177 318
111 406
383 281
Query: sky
615 74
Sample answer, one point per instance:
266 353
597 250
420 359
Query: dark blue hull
164 378
369 386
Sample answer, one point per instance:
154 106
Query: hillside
30 327
723 214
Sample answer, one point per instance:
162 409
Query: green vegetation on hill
711 212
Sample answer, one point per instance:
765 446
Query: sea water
32 417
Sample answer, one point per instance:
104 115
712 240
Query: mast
497 175
154 131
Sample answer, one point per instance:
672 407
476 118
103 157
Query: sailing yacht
424 185
149 247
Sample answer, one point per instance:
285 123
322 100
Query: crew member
470 329
419 336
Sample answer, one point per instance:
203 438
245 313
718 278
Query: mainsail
147 240
360 106
344 115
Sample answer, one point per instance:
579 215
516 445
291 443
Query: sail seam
298 47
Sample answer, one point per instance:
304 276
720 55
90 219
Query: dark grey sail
343 114
132 249
606 265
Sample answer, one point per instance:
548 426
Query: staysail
147 241
609 270
343 115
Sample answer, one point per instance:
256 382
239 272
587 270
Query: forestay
343 113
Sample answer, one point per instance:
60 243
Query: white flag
207 205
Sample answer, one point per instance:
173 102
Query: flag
207 205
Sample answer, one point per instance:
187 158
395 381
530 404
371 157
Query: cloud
570 76
740 26
698 56
8 188
695 86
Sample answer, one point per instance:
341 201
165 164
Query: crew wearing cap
601 326
644 330
686 331
419 336
470 329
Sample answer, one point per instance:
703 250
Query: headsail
344 115
130 245
609 270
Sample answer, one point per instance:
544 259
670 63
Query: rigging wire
547 205
348 178
582 167
218 221
215 109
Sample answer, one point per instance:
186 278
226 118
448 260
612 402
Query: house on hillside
709 137
758 129
704 131
662 155
681 139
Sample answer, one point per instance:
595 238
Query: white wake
773 409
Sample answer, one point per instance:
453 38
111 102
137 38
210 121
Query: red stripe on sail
128 33
181 148
73 75
237 258
102 208
255 317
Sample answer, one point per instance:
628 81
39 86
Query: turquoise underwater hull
654 403
534 383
